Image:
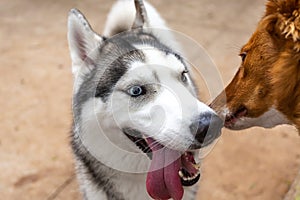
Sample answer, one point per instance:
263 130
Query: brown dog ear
270 19
283 17
141 18
270 23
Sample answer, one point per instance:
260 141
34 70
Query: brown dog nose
207 128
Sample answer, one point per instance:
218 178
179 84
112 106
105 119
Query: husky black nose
206 129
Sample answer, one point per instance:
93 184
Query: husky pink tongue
163 181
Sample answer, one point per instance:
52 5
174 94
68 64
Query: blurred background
36 89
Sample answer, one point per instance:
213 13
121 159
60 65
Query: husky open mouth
170 170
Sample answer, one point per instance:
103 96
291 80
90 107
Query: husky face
145 86
156 97
141 95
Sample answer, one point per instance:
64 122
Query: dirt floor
36 90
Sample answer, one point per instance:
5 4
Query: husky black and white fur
133 97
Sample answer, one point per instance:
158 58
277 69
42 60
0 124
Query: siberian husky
137 121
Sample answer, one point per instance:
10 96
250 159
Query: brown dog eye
243 56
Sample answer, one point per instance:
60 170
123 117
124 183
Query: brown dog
266 89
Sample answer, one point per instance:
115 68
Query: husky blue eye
184 76
136 91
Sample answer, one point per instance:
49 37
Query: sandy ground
36 89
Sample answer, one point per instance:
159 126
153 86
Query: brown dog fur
269 76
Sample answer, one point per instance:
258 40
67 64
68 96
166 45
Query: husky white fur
137 121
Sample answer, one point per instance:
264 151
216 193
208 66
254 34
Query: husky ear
82 42
141 18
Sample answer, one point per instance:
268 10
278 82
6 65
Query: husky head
138 92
